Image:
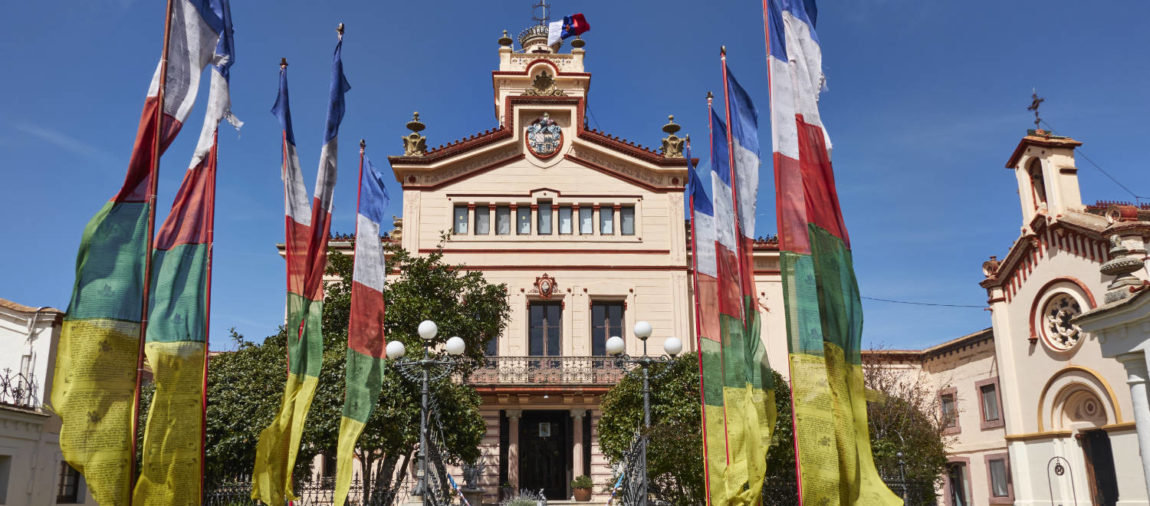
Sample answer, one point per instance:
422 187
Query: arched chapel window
1037 183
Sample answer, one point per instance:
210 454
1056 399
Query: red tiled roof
458 146
637 150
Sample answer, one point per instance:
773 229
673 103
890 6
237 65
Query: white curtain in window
606 220
460 219
524 220
585 223
627 220
998 478
544 225
482 220
503 220
565 220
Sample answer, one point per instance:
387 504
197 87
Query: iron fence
18 390
783 491
237 491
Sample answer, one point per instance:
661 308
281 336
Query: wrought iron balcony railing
18 390
548 371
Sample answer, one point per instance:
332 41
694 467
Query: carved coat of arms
545 285
544 137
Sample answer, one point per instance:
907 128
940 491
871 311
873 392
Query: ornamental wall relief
544 137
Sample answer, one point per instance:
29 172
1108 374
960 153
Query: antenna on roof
541 12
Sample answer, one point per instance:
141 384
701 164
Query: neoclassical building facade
587 231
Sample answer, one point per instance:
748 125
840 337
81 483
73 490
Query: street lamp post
425 370
615 347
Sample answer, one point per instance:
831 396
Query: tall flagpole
699 335
208 313
287 227
734 179
359 185
153 176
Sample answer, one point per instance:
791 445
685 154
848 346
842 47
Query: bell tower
1047 177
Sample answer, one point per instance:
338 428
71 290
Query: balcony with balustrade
548 371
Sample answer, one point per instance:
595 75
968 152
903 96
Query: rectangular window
543 225
482 220
545 319
606 220
606 321
523 220
999 479
491 349
949 411
564 219
502 220
5 471
68 491
627 220
989 402
460 220
956 475
328 466
586 225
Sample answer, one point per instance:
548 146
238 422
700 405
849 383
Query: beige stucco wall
1060 251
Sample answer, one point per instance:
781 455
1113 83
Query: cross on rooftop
1034 103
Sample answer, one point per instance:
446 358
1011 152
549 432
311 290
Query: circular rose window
1060 334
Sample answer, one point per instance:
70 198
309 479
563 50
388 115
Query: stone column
577 441
513 447
1136 374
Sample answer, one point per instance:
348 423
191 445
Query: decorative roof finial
283 63
672 144
339 30
505 40
414 144
1035 101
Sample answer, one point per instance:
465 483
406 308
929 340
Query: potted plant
581 486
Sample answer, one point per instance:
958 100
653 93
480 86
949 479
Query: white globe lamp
455 346
673 346
395 350
428 330
642 330
615 345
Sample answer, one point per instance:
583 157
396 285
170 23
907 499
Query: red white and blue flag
569 26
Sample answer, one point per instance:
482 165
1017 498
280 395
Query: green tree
900 419
246 386
675 447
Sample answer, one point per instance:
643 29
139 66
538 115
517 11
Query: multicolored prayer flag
176 343
307 232
820 292
95 372
365 338
738 396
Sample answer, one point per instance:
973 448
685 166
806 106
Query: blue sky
927 101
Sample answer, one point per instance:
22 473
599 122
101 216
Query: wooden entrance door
1100 468
544 454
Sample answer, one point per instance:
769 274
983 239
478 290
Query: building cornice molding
1043 141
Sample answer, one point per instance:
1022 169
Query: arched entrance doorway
1083 412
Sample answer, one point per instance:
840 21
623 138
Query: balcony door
545 321
606 321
